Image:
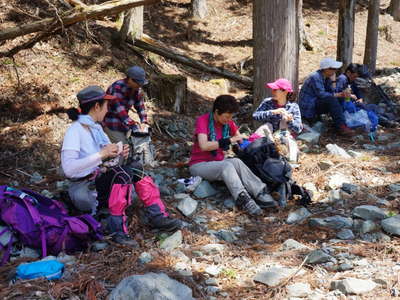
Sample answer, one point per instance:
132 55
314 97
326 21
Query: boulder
345 234
187 206
318 256
172 242
369 212
353 286
151 286
334 222
391 225
298 216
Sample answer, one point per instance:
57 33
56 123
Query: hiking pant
115 137
332 106
236 175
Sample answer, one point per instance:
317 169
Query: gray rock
325 165
354 154
273 276
172 242
187 206
47 194
336 181
229 203
151 286
211 290
66 259
353 286
211 281
318 256
385 137
310 187
383 202
200 220
180 256
350 188
98 246
145 258
345 267
375 237
391 225
204 190
213 270
345 234
36 178
197 253
357 225
29 253
298 215
336 150
299 290
213 248
180 187
319 127
181 196
293 245
369 212
334 196
334 222
166 191
394 187
311 137
5 237
226 235
368 226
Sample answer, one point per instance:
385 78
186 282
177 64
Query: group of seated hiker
95 147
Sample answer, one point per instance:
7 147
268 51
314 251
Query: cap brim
273 86
145 82
109 97
336 65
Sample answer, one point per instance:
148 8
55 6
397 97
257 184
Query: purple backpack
40 222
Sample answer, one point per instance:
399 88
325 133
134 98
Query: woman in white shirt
97 181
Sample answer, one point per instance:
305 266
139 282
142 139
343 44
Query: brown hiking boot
345 131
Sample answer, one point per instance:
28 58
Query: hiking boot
265 200
194 184
124 239
246 203
345 131
165 223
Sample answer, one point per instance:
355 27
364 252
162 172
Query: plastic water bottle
348 91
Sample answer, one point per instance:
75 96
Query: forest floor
37 87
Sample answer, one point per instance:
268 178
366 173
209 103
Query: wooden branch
74 16
173 55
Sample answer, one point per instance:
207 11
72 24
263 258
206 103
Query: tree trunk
151 46
345 39
304 38
371 42
74 16
199 8
276 44
132 27
394 9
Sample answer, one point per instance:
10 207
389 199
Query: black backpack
263 159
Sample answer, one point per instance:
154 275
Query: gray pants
83 196
236 175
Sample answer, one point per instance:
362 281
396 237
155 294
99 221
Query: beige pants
116 136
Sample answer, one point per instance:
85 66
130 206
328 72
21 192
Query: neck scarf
100 138
213 135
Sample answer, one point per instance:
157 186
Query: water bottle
348 91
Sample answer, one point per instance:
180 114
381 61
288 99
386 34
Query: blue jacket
342 82
315 87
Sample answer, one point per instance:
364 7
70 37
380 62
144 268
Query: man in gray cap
317 96
128 93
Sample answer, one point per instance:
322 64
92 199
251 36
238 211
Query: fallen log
78 14
151 46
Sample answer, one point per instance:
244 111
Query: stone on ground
336 150
336 181
353 286
298 289
187 206
204 190
298 215
345 234
334 222
369 212
213 248
172 242
317 257
151 286
391 225
293 245
273 276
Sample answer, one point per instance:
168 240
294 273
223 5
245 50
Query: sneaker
265 200
246 203
194 184
165 223
124 239
345 131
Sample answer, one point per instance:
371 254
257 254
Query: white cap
329 63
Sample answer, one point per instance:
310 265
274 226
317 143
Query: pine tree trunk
304 38
371 42
345 40
199 8
394 9
132 27
276 44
